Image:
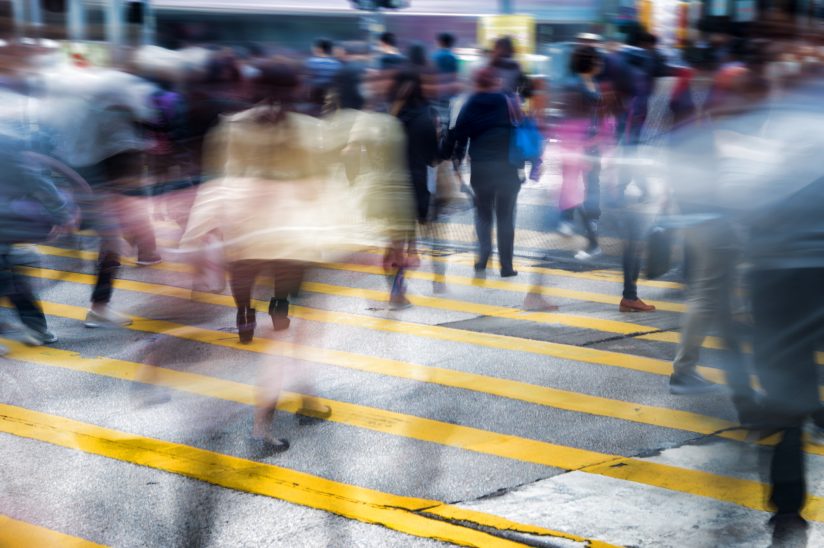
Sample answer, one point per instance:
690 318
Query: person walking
321 69
486 124
415 113
579 133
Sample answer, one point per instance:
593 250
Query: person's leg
592 186
631 264
21 294
505 204
484 205
784 344
709 277
287 276
242 276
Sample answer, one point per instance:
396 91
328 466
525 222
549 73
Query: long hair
406 91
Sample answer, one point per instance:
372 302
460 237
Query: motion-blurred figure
268 202
485 123
32 209
321 69
389 57
579 133
93 117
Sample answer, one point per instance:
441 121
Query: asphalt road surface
463 419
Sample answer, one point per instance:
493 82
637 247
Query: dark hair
407 86
324 45
446 40
388 38
646 39
278 81
504 48
417 55
583 59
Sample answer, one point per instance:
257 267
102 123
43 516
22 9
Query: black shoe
692 383
480 266
508 273
246 324
268 446
279 311
789 530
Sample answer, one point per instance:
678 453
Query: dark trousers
99 212
496 188
631 228
788 311
500 202
17 288
287 275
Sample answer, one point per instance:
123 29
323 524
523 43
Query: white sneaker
107 317
3 350
587 255
32 337
565 229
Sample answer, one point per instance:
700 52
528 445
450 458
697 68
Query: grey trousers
712 251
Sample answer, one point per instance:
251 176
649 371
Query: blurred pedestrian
579 134
32 209
446 62
321 69
94 116
502 59
486 124
390 57
416 115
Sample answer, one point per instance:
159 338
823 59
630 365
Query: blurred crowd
270 165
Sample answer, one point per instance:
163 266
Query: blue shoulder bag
527 143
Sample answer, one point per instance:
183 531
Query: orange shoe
636 305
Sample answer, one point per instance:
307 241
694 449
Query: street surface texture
464 419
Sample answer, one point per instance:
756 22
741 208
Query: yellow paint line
554 318
365 504
353 502
364 417
503 285
370 418
411 371
499 342
19 534
610 276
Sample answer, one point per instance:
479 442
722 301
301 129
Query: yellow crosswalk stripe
405 514
516 390
19 534
639 331
85 437
610 276
511 389
501 342
504 285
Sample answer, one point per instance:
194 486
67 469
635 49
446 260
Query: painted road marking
405 514
610 326
193 462
19 534
500 342
213 387
376 270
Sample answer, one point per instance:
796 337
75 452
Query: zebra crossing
465 419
